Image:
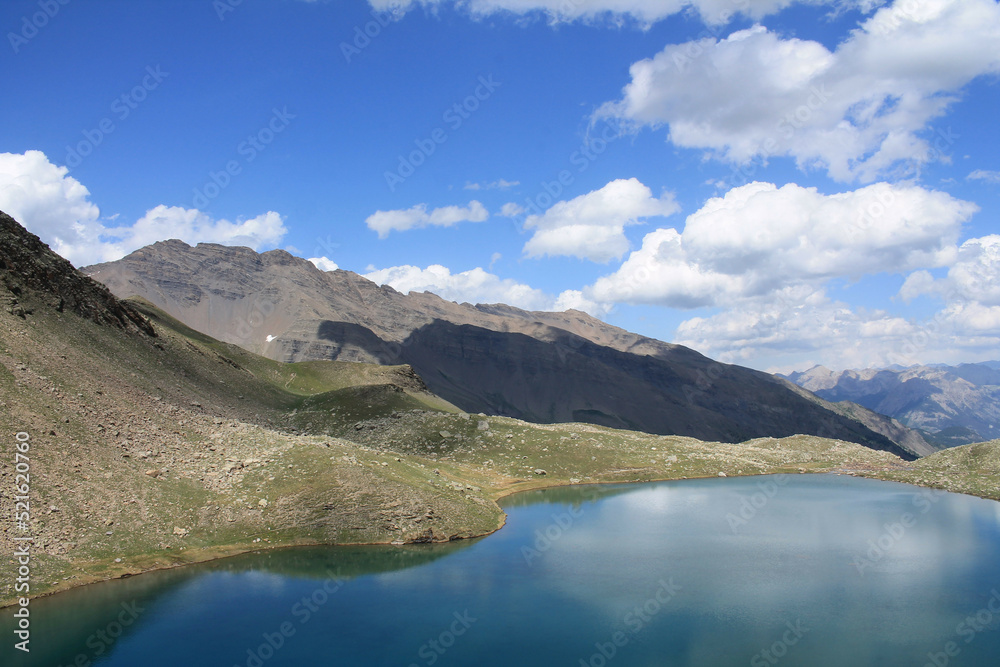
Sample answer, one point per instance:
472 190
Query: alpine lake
797 570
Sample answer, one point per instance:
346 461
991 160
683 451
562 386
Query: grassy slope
973 469
184 448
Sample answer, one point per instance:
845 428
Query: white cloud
57 207
984 175
645 12
592 226
418 216
766 255
192 226
796 326
857 112
800 327
974 278
759 239
511 210
478 286
502 184
324 263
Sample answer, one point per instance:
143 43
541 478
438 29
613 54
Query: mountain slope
153 445
544 367
952 404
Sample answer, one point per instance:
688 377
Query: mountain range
950 405
494 359
150 444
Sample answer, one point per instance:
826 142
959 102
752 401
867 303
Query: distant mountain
496 359
952 405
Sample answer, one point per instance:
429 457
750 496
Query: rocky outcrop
32 276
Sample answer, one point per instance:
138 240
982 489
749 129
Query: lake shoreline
208 554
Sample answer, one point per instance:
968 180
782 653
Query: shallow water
808 570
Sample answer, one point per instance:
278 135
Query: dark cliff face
540 367
575 380
33 276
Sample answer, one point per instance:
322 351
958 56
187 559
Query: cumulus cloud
858 112
511 210
800 327
478 286
974 278
592 226
795 323
759 239
418 216
57 207
765 256
324 263
644 12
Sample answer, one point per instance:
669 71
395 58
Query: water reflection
801 570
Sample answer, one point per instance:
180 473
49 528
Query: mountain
33 275
494 359
151 445
952 405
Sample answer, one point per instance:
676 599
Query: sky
774 183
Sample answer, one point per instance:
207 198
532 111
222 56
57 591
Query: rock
722 474
154 472
180 531
483 426
262 502
539 471
445 434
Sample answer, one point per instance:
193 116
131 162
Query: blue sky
776 183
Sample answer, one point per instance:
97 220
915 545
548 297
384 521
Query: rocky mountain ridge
952 405
495 359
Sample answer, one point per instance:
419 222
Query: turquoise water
801 570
